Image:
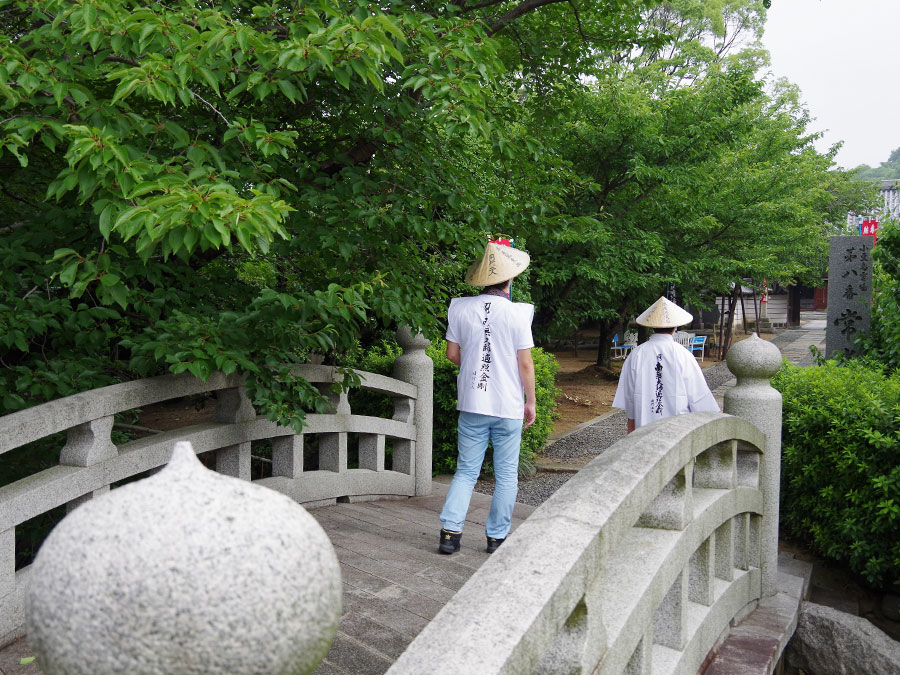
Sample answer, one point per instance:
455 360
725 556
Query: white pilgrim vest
489 330
661 378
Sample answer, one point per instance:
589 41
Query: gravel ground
533 491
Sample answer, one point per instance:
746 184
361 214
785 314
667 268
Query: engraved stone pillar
754 361
849 293
415 366
187 571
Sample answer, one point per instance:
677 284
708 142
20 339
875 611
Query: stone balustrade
90 462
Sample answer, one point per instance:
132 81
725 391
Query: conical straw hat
664 314
498 264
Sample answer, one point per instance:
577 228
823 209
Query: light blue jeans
474 430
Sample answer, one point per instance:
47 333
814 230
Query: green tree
230 186
889 170
699 186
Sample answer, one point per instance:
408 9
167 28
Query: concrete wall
776 311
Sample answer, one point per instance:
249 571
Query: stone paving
394 579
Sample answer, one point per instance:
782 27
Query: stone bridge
660 556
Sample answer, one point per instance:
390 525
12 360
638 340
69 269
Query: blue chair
617 351
698 343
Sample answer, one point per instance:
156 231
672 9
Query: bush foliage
380 359
882 342
840 476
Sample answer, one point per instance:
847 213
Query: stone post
86 445
10 606
415 366
234 407
188 571
753 362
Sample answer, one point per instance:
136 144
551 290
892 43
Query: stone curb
756 644
584 425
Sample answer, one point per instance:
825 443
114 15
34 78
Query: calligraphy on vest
484 373
656 405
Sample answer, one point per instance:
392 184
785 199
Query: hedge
840 475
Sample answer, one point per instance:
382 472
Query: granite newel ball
754 358
187 571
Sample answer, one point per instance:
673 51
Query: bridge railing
641 561
90 462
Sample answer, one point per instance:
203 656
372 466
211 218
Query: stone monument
849 293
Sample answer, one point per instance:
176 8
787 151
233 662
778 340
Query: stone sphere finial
187 571
409 340
754 358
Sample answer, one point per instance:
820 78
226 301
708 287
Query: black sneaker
449 541
494 544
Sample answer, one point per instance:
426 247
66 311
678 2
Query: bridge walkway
395 581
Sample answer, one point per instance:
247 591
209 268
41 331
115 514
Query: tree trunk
607 330
793 317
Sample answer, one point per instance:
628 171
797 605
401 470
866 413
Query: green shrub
840 475
882 342
380 359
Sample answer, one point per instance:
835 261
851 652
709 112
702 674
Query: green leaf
209 78
67 275
62 253
119 294
342 76
289 90
105 222
182 139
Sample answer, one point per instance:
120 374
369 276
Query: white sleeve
452 321
700 398
524 317
624 398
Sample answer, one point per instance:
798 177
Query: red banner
869 228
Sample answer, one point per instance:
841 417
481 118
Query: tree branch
516 12
123 59
481 5
18 199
